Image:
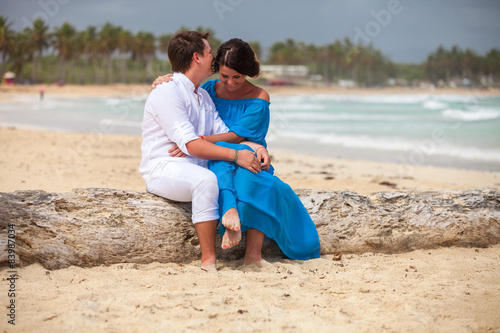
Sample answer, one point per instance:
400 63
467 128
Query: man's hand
246 159
161 79
176 152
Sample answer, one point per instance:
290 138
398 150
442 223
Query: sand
438 290
58 161
445 290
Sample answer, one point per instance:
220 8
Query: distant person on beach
259 204
177 116
41 91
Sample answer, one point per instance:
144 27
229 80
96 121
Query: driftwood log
97 226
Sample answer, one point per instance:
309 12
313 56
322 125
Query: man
177 115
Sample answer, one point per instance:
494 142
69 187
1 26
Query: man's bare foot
209 267
231 220
231 238
257 266
256 261
252 257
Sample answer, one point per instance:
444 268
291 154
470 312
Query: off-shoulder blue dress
263 201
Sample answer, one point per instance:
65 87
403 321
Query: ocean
459 131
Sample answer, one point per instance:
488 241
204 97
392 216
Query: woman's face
231 79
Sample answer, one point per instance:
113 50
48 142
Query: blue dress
263 201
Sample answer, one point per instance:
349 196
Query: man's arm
229 137
208 151
260 151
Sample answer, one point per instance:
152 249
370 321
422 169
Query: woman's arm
161 79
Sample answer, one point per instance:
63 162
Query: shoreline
128 90
60 161
137 93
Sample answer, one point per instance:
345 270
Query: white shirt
176 114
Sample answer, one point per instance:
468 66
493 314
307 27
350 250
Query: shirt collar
185 81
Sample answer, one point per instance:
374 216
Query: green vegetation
111 54
455 64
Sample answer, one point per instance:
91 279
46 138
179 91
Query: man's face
207 58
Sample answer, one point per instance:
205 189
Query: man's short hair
182 47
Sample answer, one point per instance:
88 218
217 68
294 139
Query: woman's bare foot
231 220
231 238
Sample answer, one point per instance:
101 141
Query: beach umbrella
9 75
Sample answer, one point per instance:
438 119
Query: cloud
410 36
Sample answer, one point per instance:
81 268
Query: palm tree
469 66
6 41
125 45
255 45
40 39
492 64
163 42
340 57
64 43
212 40
19 52
108 43
352 60
277 54
144 51
90 50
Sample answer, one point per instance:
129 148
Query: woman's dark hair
239 56
182 47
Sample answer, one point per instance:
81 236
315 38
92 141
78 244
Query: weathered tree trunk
95 226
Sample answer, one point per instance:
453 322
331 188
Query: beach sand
438 290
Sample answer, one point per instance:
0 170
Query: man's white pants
184 181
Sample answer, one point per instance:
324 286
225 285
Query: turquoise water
456 131
102 115
447 130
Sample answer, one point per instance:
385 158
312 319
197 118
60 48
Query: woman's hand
261 153
263 156
161 79
176 152
246 159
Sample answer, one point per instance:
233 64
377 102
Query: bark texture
98 226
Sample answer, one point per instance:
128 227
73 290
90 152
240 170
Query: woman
261 203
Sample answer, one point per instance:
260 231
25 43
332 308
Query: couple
183 128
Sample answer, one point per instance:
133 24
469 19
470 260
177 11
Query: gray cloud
418 29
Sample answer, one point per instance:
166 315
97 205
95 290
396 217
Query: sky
404 30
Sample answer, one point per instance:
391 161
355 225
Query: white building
284 71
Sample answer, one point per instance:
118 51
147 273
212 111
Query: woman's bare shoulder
264 95
258 92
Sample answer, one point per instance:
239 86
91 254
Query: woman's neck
241 93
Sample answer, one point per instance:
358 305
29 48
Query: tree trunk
91 227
